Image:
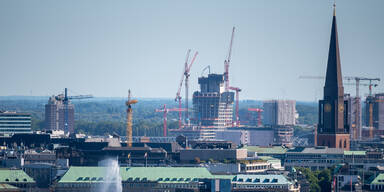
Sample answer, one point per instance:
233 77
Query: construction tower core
213 106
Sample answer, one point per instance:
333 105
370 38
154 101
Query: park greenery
319 181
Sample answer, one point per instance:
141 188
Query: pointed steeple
333 82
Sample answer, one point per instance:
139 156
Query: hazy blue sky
105 47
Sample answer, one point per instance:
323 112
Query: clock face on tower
327 107
341 107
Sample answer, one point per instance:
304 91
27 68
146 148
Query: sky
105 47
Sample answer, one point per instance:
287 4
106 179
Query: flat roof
354 153
270 150
317 150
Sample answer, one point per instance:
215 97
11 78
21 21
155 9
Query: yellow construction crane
129 118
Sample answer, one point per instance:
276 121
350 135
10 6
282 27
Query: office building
313 158
279 112
12 122
333 127
59 115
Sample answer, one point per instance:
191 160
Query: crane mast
65 99
228 61
258 110
165 111
237 104
129 118
356 131
187 74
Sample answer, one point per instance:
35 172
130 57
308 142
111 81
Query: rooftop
269 150
159 174
261 179
316 150
379 180
14 176
354 153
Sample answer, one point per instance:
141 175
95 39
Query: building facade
333 127
212 105
374 111
354 116
279 112
59 115
12 122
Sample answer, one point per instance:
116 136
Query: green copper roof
270 159
268 150
14 176
379 180
354 152
261 179
159 174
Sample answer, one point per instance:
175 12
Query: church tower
333 128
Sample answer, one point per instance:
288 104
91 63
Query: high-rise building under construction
374 111
59 116
354 116
213 106
279 112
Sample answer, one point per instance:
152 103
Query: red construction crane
165 111
178 97
258 110
187 69
228 61
237 104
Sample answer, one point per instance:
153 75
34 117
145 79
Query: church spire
334 9
333 83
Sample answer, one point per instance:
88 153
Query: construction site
215 110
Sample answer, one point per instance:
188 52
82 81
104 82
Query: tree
325 180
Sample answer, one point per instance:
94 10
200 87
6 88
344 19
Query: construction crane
178 96
228 61
65 99
187 69
357 109
206 68
165 111
129 118
370 100
357 79
258 110
237 104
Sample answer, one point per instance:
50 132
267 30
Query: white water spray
112 178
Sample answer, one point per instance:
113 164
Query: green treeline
102 116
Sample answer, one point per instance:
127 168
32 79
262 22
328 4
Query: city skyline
91 48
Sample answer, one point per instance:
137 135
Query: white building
279 112
12 122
